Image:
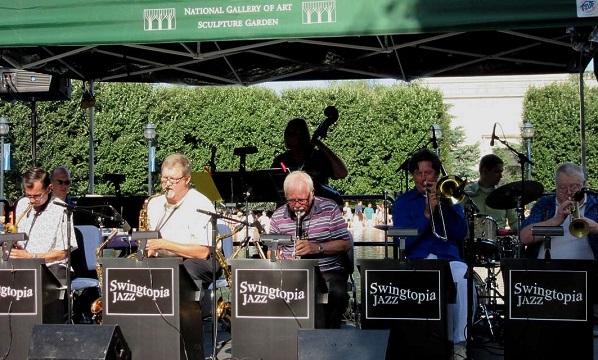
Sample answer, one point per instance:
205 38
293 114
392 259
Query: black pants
338 298
201 270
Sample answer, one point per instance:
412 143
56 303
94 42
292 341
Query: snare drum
485 246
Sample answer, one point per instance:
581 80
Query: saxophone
144 224
13 228
98 304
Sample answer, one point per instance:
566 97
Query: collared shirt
408 212
182 222
47 229
323 223
566 246
478 195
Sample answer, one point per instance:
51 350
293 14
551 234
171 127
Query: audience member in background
61 184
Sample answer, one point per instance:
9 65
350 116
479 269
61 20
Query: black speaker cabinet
333 344
78 342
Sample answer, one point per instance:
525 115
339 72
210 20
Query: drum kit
491 245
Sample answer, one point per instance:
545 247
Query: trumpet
578 227
449 191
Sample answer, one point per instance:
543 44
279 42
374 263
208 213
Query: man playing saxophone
555 210
45 223
185 231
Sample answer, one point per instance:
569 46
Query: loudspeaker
78 342
331 344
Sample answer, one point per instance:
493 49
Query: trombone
449 191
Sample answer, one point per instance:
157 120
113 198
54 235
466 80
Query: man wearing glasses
324 237
555 210
61 184
185 232
45 224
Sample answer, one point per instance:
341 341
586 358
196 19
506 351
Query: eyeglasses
573 188
424 173
36 197
297 201
173 181
63 182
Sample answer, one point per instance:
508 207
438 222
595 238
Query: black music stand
7 242
547 232
262 185
275 240
401 234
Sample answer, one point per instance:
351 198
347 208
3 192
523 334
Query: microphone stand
69 209
214 220
69 214
470 210
522 159
405 165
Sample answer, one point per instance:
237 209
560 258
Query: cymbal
505 197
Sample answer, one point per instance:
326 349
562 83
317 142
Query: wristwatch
320 249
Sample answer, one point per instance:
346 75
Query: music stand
142 237
8 240
547 232
263 185
275 240
402 234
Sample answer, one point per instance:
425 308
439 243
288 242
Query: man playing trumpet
556 210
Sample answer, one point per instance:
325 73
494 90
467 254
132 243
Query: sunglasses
63 182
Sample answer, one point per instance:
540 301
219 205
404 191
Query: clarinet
298 231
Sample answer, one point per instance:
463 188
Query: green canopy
213 42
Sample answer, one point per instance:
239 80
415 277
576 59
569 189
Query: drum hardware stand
470 210
547 232
490 311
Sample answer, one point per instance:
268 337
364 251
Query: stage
481 350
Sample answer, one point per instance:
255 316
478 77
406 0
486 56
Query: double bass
321 132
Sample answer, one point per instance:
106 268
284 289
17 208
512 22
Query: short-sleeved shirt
323 223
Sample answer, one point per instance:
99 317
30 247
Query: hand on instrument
20 254
563 211
153 245
304 247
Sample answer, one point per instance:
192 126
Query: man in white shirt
185 232
44 222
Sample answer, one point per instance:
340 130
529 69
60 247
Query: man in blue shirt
415 209
555 210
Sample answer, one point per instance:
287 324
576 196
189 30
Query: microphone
259 227
579 195
63 204
493 135
121 221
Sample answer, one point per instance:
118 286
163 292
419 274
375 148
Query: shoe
459 352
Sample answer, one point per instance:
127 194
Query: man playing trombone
580 240
441 230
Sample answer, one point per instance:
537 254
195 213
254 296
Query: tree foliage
378 127
554 110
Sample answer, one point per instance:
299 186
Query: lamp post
149 133
528 134
4 129
435 136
